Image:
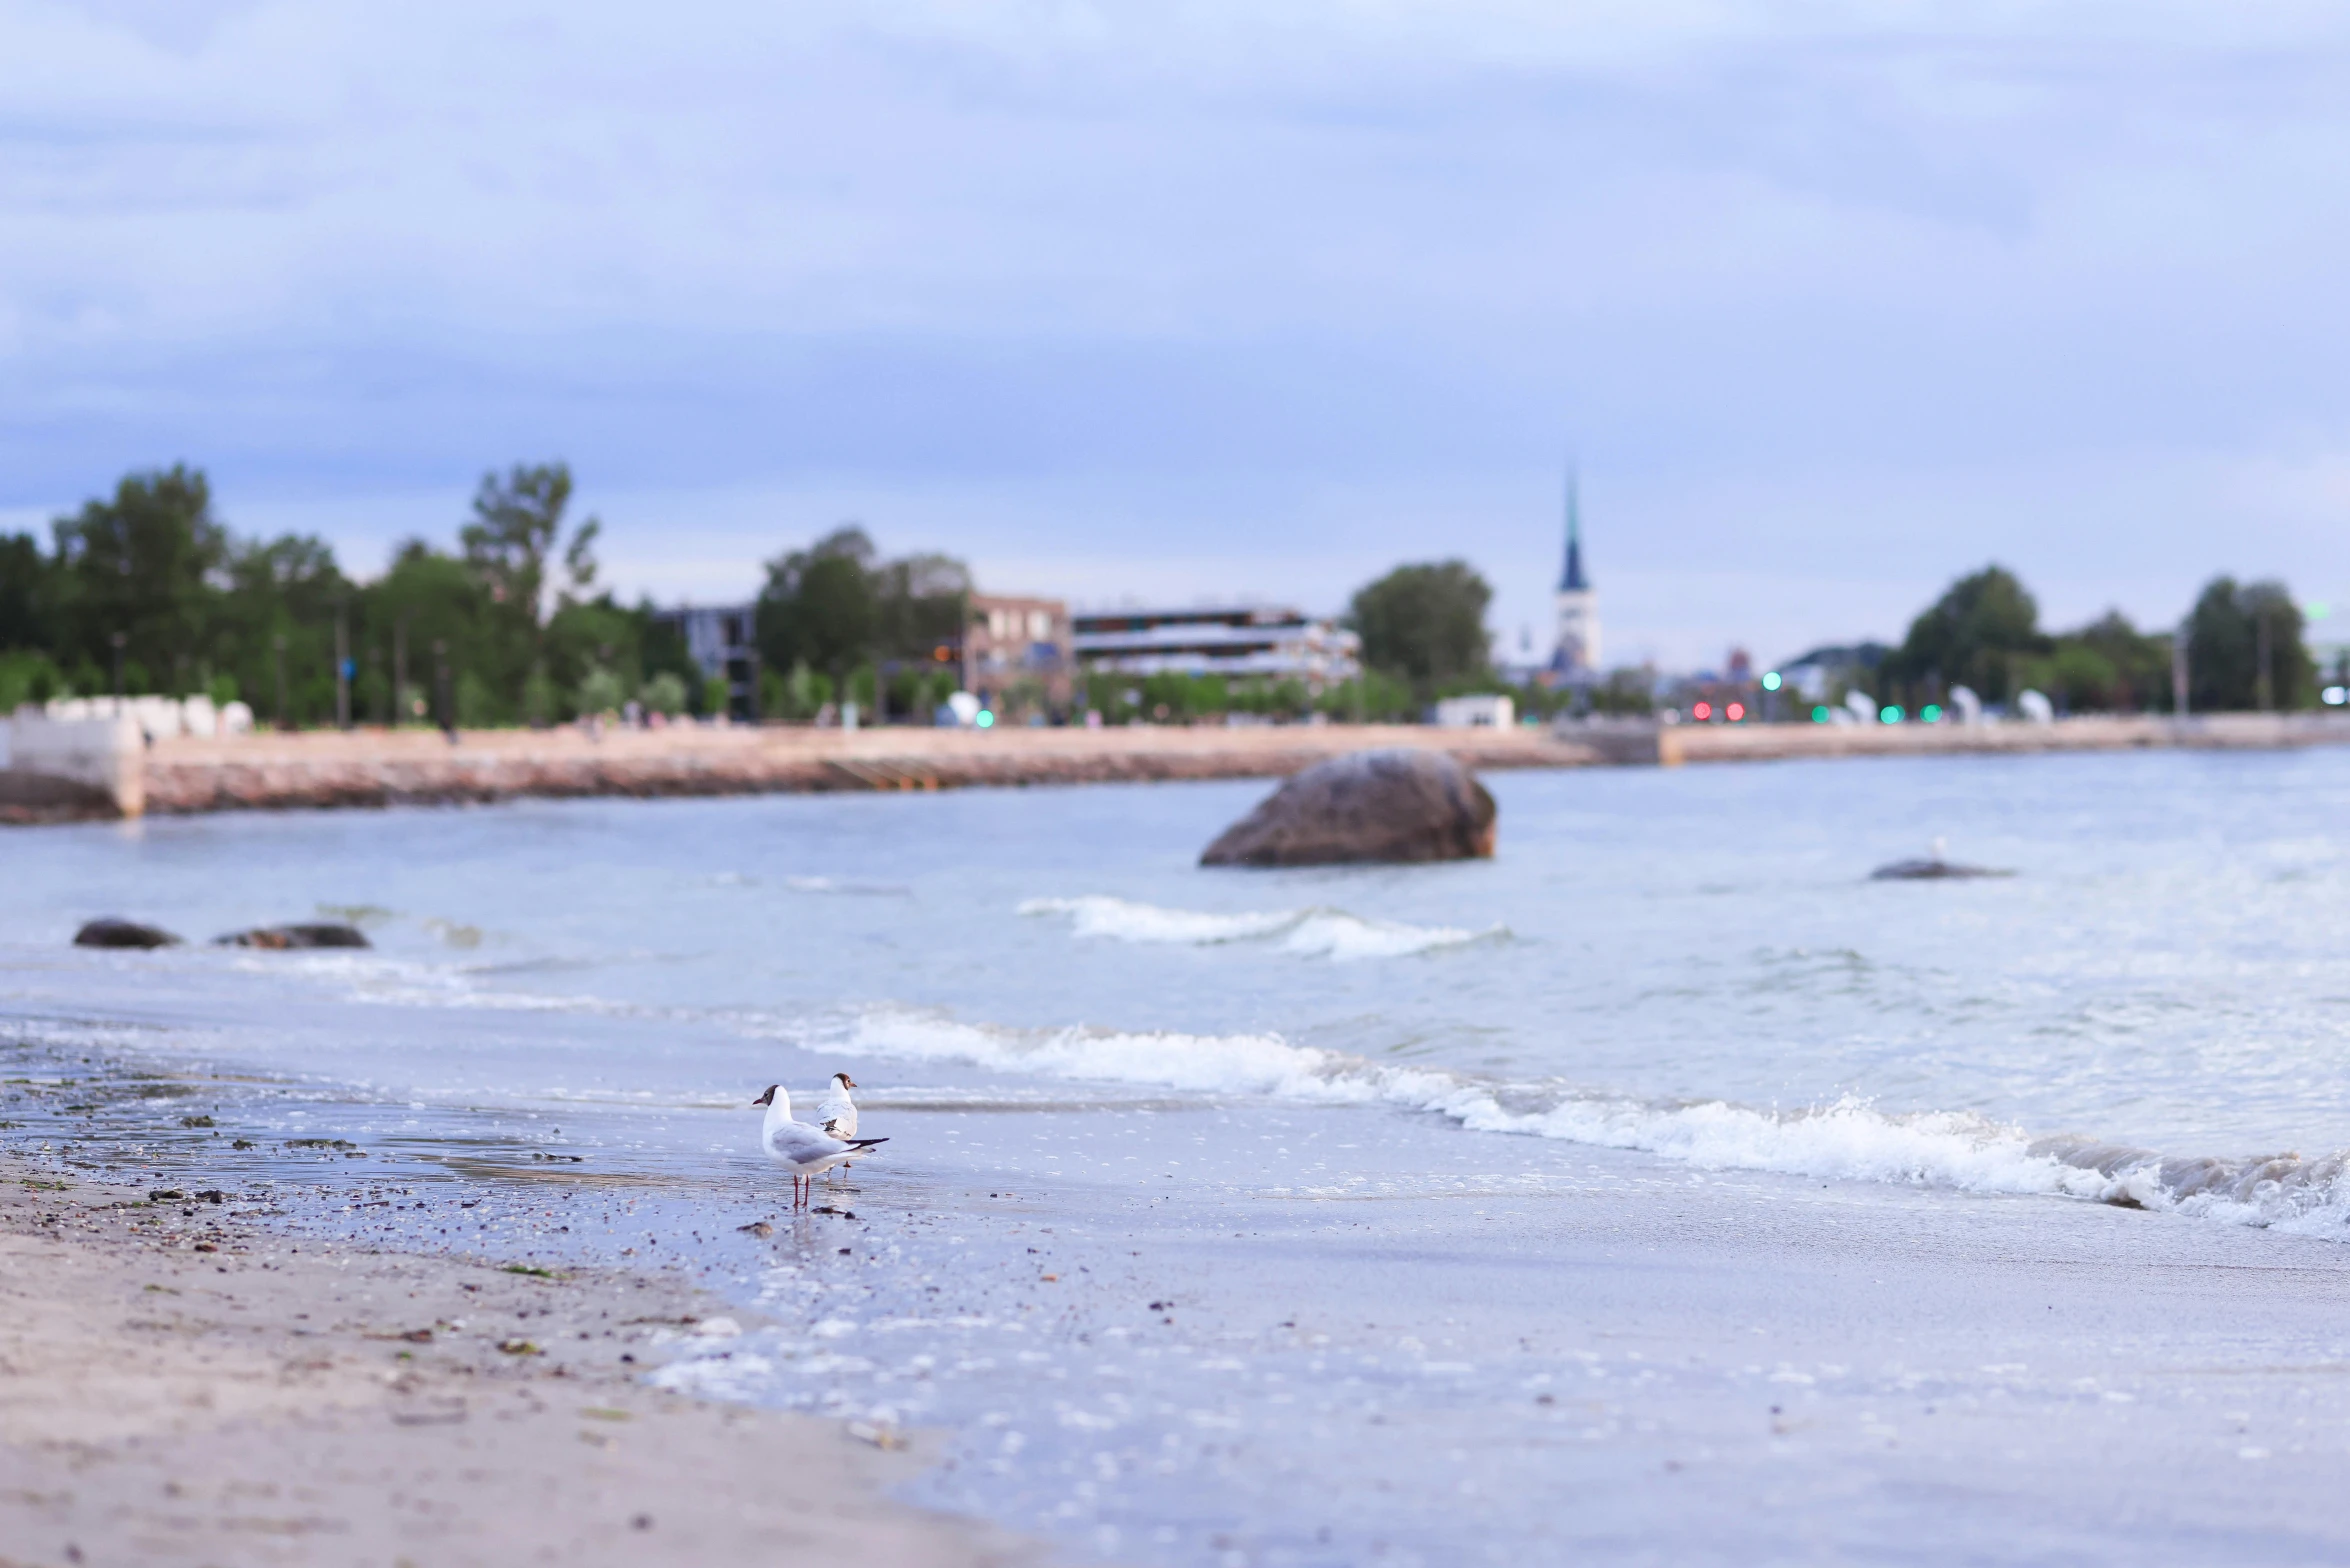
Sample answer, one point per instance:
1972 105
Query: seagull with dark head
807 1152
836 1113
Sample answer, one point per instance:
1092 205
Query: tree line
1424 635
146 591
838 622
2244 650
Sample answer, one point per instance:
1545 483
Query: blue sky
1829 302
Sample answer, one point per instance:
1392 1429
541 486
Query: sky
1826 303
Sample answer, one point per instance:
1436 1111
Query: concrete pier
106 770
1684 743
379 768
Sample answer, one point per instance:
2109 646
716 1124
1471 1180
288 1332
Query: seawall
382 768
378 768
1686 743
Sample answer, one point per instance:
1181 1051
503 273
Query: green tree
286 588
600 691
1424 623
920 603
517 528
819 607
836 605
517 523
139 565
1974 635
665 693
429 597
2244 649
1373 697
2108 665
26 594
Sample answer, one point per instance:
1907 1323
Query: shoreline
181 1382
1303 1360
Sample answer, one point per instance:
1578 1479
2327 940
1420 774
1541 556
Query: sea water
1208 1226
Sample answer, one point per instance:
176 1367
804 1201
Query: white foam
1237 1064
1849 1139
1313 932
852 889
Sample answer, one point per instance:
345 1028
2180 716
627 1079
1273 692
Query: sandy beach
180 1384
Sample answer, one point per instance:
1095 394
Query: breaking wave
1849 1139
1313 933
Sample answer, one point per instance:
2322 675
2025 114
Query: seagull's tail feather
864 1143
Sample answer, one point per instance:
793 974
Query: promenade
320 768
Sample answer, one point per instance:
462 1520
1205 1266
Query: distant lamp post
119 641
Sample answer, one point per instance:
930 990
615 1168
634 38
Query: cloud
1839 263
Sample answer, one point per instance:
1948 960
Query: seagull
800 1148
836 1113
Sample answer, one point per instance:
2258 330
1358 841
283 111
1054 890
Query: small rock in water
1930 870
123 933
758 1228
1397 806
279 938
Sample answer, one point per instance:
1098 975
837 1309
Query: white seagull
800 1148
836 1113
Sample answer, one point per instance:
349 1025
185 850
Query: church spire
1572 579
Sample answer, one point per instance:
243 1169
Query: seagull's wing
800 1144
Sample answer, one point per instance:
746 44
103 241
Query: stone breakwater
1687 743
385 768
424 767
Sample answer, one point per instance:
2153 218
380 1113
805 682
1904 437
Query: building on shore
1238 642
1574 659
722 640
1017 651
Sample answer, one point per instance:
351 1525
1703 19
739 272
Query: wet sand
180 1383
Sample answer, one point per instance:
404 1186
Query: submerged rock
123 933
1396 806
1930 870
281 937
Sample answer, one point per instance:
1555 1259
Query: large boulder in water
281 937
123 933
1398 806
